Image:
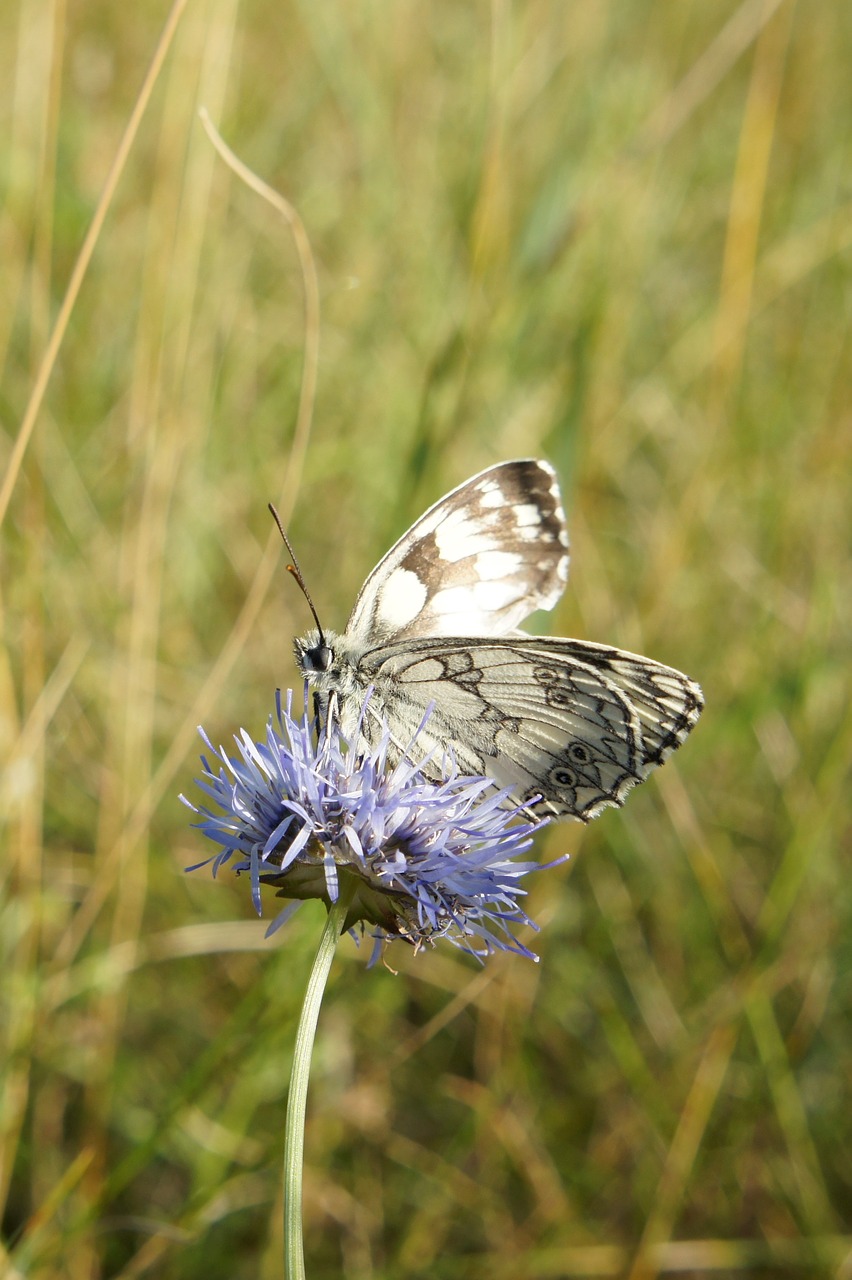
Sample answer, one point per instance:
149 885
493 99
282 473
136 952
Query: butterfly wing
575 724
476 563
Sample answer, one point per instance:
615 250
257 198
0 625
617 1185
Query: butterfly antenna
297 572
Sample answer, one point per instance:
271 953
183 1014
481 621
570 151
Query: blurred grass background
617 235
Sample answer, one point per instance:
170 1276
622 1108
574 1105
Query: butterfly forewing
569 726
476 563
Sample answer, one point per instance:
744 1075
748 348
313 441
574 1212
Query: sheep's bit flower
429 860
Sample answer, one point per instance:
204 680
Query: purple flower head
430 860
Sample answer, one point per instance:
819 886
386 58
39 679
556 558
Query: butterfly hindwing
576 724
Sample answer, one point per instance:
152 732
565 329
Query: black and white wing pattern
569 726
476 563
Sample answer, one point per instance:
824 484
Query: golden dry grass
616 235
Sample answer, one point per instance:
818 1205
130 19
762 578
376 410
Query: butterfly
570 726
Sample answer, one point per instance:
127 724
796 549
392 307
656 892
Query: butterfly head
315 653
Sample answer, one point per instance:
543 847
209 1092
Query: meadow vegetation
616 235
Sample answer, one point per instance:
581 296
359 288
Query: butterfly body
570 726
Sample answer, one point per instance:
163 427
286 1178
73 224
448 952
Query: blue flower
430 860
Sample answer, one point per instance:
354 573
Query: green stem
294 1131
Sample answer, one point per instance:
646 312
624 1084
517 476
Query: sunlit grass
617 236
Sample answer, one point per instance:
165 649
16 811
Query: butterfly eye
320 658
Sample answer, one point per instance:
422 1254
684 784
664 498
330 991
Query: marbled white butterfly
568 725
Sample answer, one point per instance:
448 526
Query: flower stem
294 1131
